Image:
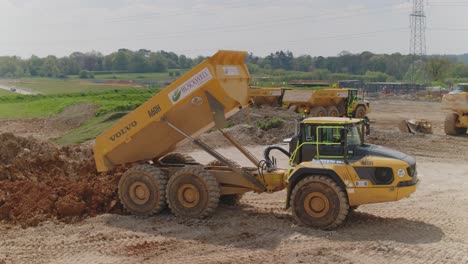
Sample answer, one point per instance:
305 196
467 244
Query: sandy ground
387 114
429 227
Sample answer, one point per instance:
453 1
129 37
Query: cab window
330 142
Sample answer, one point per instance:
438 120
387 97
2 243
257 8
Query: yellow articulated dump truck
456 122
331 170
326 102
322 102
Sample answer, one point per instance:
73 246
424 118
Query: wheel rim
188 195
321 114
139 193
333 114
316 204
360 114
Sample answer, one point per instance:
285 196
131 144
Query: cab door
330 142
320 142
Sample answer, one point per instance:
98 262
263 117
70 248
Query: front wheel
360 112
319 202
450 125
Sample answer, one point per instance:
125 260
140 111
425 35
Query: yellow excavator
331 170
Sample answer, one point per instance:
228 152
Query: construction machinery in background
415 126
334 102
456 122
331 170
326 102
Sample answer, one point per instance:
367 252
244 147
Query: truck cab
333 149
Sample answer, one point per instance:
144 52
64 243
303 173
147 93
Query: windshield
354 137
461 89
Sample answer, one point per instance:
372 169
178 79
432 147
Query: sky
201 27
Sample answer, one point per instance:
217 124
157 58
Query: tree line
366 66
82 64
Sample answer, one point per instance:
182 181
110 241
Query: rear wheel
318 111
360 112
450 125
319 202
142 190
192 192
333 111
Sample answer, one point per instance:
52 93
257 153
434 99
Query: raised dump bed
220 82
457 102
324 98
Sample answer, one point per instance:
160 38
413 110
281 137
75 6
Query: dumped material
415 126
41 181
245 125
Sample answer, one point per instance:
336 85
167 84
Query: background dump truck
456 122
330 171
322 102
326 102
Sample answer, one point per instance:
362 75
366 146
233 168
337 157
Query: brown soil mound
40 181
250 133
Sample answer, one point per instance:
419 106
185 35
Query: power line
418 29
447 29
248 26
149 16
347 36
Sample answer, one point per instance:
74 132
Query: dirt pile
40 181
267 125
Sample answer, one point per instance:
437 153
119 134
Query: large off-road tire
319 202
192 192
142 190
177 158
318 111
333 111
450 128
360 112
228 199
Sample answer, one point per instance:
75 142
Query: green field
90 130
54 87
101 82
26 106
5 92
